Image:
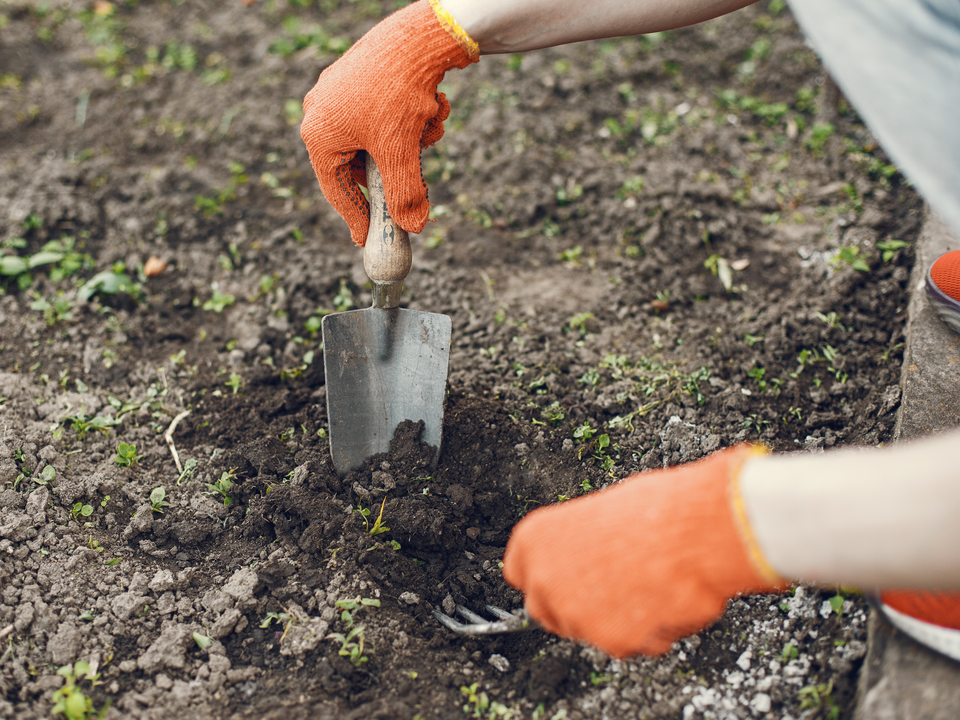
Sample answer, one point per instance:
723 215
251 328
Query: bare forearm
507 26
870 518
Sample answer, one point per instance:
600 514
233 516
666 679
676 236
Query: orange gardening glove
381 96
632 568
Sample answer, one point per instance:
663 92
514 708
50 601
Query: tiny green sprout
202 641
351 645
46 475
572 255
561 498
477 702
819 134
80 510
109 282
322 433
395 545
158 499
70 700
568 194
584 432
836 604
343 300
849 256
721 268
585 486
218 302
888 248
818 696
751 340
223 486
831 320
600 679
554 413
189 468
789 652
126 455
631 186
349 605
378 526
235 382
280 617
579 322
103 503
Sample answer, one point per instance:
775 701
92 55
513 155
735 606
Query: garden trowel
383 365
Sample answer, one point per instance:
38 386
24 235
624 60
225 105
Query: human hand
632 568
381 96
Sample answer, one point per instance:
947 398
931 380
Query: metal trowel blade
383 367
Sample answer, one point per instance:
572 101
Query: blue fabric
898 62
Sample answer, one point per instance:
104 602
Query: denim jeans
898 62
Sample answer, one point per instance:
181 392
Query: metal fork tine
473 617
478 625
500 612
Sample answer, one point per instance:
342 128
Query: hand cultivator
478 625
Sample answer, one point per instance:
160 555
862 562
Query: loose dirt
650 248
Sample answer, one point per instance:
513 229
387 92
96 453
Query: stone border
900 678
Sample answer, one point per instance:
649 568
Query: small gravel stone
410 598
167 650
760 703
241 585
225 623
500 662
162 581
64 645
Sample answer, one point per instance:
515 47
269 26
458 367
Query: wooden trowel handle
387 255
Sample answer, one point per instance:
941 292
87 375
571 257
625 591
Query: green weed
820 133
888 248
80 510
82 424
223 486
378 526
110 282
819 696
349 606
70 699
631 186
579 323
158 499
789 653
296 37
849 256
126 455
53 312
721 268
218 302
479 704
57 256
351 645
235 382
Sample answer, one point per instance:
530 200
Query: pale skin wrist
509 26
870 518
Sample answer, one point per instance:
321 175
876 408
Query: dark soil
583 195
